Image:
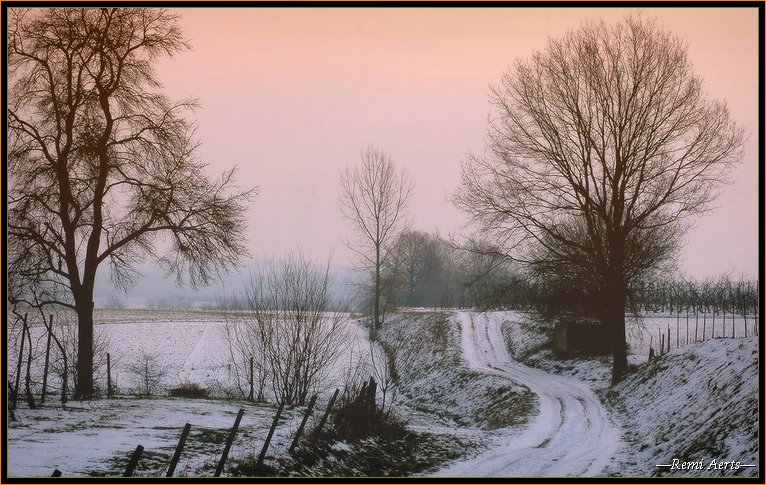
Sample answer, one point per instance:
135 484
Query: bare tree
288 329
599 142
374 197
101 166
148 373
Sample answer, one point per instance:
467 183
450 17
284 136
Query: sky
292 95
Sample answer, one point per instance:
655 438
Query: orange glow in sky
291 95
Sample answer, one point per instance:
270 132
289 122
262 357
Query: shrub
190 390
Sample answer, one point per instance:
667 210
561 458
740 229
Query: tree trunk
376 307
616 314
84 388
616 291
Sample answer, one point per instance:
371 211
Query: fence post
668 336
133 461
179 448
704 323
371 391
15 395
252 380
303 423
268 437
327 410
47 361
744 313
108 375
229 441
28 377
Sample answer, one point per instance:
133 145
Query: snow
699 402
570 435
98 437
464 375
190 345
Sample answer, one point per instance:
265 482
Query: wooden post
179 449
303 423
687 325
371 391
229 441
28 378
704 323
18 367
108 375
133 461
252 380
662 344
269 436
327 410
678 333
65 380
696 322
744 313
47 361
668 337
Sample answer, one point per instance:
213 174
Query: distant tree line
427 270
712 295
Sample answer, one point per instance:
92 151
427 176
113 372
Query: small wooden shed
589 337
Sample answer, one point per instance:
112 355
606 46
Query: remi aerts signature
713 464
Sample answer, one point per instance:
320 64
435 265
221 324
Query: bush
358 416
190 390
148 373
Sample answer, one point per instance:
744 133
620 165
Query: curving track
571 434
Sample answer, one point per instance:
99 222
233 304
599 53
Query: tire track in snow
570 436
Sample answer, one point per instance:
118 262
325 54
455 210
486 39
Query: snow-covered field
190 346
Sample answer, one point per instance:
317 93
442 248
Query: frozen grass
435 381
97 438
697 403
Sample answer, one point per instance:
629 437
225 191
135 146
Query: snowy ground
570 435
458 381
97 438
698 403
191 346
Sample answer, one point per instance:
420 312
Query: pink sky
292 95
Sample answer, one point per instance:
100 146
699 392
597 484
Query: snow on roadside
695 404
98 437
437 390
699 399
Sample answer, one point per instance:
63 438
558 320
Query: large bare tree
602 143
374 197
102 166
